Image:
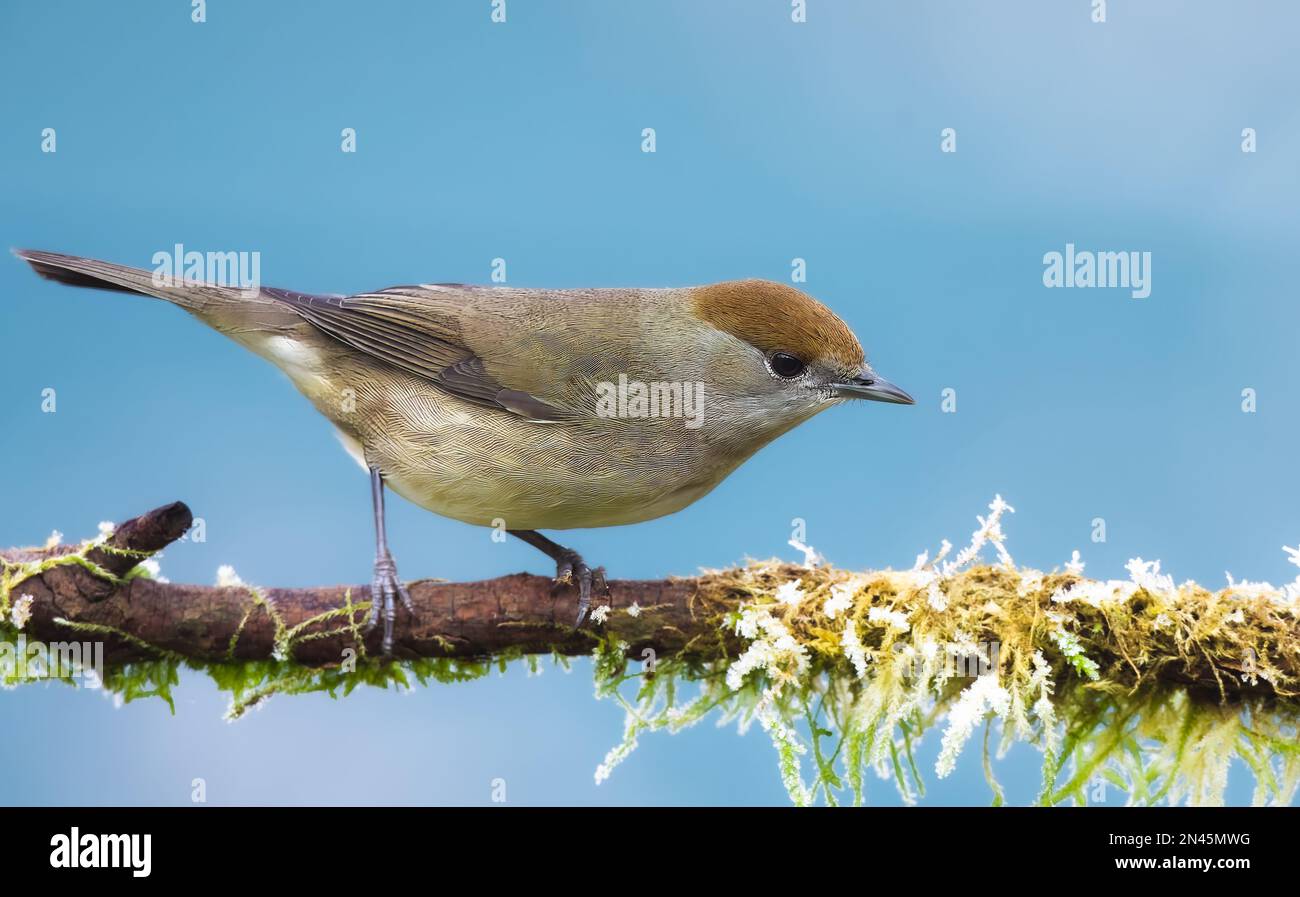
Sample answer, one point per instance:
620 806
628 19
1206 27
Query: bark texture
521 612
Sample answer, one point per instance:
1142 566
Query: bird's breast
491 467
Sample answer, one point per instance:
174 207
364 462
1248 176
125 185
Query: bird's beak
869 386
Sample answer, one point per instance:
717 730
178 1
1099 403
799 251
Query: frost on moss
1139 684
1142 685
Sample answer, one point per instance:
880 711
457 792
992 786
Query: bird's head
782 355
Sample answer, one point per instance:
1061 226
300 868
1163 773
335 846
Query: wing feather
403 328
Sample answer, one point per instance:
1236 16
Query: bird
533 409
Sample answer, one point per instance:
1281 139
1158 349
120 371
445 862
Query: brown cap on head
772 316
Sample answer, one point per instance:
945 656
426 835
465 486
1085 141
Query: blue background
775 140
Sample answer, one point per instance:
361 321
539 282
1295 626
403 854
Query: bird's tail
230 309
78 271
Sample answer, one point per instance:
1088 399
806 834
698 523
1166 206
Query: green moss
1090 684
858 692
14 573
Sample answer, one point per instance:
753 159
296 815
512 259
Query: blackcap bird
534 409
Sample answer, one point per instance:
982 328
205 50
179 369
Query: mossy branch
94 587
1148 685
91 587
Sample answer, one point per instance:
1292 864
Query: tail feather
69 276
78 271
231 310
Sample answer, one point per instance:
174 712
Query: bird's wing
416 329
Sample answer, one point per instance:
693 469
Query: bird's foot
570 568
385 591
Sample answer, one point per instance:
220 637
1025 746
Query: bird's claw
572 568
385 591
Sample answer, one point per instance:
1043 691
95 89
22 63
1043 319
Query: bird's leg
569 567
385 588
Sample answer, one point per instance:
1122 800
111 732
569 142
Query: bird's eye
787 366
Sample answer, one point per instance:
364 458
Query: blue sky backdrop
522 141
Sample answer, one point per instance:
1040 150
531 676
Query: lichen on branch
1138 684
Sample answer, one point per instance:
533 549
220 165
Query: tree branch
139 619
1210 642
